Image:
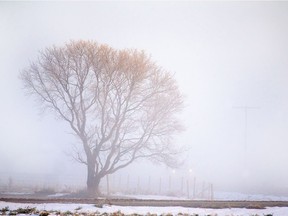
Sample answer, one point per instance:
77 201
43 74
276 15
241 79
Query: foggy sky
223 55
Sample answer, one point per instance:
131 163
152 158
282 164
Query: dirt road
139 202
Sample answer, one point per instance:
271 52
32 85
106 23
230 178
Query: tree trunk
93 181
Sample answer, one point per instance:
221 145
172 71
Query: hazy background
223 54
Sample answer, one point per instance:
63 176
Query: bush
26 210
44 213
4 210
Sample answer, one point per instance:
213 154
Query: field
58 205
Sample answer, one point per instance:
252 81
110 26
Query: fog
224 55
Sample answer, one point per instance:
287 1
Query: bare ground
139 202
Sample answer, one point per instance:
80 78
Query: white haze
223 55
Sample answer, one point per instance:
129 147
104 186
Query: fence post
182 185
119 183
160 186
138 185
107 184
169 183
10 183
113 185
194 188
212 193
128 181
149 184
188 189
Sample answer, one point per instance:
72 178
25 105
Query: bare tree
119 103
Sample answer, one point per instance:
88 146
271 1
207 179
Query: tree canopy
119 103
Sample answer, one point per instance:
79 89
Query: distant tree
119 103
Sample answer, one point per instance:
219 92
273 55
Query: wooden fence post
194 188
119 182
212 193
138 185
149 184
128 181
160 186
182 184
188 189
107 184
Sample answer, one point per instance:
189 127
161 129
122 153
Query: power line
245 109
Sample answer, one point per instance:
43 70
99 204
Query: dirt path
138 202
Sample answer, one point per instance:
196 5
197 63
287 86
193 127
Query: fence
188 187
182 187
23 182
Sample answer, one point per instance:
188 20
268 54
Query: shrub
4 210
44 213
26 210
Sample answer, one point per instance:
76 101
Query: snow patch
275 211
58 195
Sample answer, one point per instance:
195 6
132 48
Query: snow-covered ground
149 197
16 193
89 208
249 197
217 196
275 211
58 195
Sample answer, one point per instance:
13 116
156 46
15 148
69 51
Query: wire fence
177 186
185 187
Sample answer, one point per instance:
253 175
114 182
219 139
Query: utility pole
245 109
